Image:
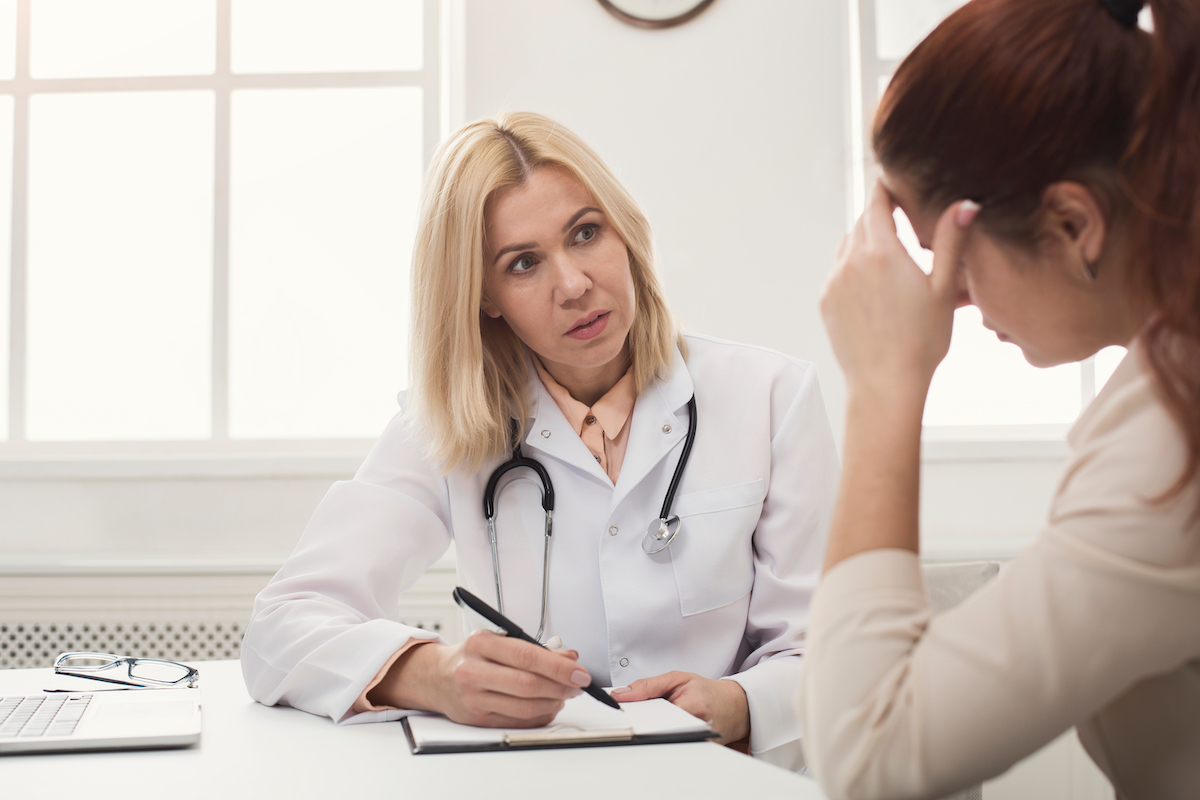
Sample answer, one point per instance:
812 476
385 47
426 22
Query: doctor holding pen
1048 152
657 502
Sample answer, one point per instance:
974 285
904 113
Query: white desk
251 751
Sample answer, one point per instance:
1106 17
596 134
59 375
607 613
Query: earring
1091 269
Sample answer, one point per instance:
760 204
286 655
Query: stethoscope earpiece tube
661 533
516 462
489 512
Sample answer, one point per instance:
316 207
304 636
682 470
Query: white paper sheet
646 718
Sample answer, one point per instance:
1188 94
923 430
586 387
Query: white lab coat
729 597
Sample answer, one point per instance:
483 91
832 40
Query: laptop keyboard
41 715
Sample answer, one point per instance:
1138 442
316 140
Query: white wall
730 131
733 133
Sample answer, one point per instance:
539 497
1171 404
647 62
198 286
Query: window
983 388
209 207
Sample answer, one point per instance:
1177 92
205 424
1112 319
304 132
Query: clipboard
582 723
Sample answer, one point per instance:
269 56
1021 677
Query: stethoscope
659 535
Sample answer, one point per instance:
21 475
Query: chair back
947 585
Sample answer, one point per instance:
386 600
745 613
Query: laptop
99 719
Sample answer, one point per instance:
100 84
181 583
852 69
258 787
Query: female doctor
539 324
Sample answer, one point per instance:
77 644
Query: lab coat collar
551 433
656 427
654 414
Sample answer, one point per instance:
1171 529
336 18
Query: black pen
468 600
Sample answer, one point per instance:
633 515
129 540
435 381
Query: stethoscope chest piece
660 534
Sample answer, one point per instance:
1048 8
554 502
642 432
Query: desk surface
248 750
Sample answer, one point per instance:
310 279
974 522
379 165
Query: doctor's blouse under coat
729 597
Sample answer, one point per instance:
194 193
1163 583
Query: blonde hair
469 371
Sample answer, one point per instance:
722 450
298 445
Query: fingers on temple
949 237
841 250
877 221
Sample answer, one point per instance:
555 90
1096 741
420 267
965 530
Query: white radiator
176 610
35 644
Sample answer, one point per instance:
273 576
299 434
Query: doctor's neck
588 383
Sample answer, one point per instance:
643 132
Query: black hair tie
1125 11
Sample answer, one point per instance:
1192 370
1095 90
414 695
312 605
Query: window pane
8 39
327 35
91 39
985 382
901 24
324 196
1106 363
6 143
120 266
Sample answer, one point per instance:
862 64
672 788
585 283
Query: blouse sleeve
901 703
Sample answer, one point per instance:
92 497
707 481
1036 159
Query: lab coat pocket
713 554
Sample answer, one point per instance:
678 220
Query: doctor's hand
488 680
888 321
722 704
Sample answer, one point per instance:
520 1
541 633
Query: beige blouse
1096 625
601 427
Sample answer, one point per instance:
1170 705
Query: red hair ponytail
1163 162
1006 97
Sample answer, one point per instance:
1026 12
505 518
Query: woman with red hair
1048 152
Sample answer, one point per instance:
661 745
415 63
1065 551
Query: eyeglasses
144 672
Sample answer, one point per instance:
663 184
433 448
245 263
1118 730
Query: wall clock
655 13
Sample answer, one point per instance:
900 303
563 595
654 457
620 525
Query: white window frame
219 455
942 442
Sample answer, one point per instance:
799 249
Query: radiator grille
35 644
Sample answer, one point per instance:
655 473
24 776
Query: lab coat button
545 434
612 531
666 428
624 662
